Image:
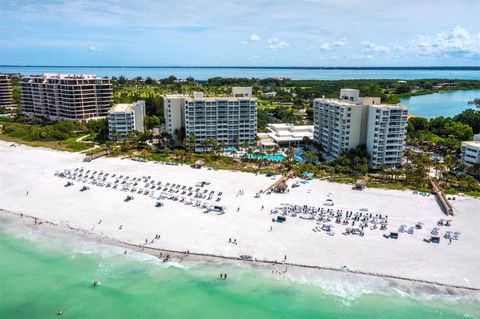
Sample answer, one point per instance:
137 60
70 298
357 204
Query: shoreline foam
407 287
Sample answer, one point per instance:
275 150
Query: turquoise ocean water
204 73
40 275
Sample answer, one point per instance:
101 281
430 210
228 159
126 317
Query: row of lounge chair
189 195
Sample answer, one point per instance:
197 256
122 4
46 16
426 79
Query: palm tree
289 152
244 145
259 157
205 144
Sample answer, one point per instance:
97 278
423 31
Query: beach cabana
198 164
280 188
360 184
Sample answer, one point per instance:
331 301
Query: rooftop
122 107
68 76
286 132
351 97
238 93
475 144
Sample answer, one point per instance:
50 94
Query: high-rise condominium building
66 96
174 113
123 119
345 123
6 93
231 121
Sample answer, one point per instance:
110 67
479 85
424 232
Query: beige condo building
66 96
6 93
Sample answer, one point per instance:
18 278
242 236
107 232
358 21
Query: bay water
204 73
447 104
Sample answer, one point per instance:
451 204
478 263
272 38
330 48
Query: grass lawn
69 145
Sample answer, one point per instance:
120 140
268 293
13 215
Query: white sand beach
28 185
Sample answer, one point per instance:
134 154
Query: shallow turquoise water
40 276
269 157
441 104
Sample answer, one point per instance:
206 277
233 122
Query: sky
240 33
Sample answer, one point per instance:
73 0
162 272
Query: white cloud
94 49
275 44
355 56
457 42
254 37
325 46
370 47
340 43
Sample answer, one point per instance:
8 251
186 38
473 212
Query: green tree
151 122
470 117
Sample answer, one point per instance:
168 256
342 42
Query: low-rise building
285 135
124 119
470 151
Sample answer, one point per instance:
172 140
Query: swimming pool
270 157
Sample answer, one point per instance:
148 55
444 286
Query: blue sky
234 32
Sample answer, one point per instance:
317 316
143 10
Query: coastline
403 284
441 267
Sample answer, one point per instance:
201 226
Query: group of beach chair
145 185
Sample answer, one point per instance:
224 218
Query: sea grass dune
30 185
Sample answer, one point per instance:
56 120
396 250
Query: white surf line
258 261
